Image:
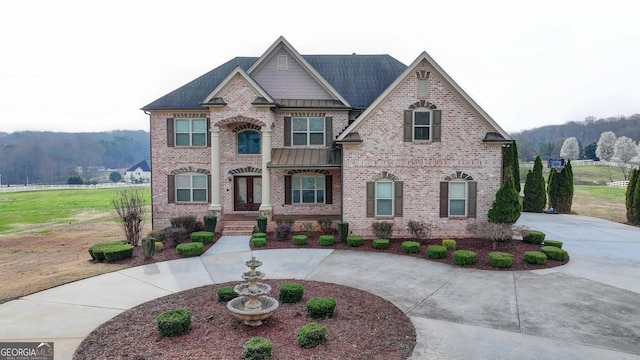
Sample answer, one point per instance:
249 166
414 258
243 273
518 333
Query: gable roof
143 165
356 79
243 74
482 115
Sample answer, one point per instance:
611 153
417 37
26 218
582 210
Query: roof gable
237 72
143 165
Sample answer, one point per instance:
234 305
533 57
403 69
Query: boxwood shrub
436 252
226 293
257 348
259 235
556 243
327 240
96 250
159 246
535 257
464 257
321 308
450 244
554 253
290 293
311 335
500 259
117 252
410 247
259 242
355 240
534 237
380 244
299 239
190 249
204 237
174 322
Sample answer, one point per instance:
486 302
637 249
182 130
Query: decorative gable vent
283 62
423 84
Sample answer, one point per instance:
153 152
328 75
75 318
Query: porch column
216 203
266 208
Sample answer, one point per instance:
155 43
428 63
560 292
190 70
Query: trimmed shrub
327 240
343 230
175 236
464 257
96 250
299 239
257 348
321 308
148 247
500 259
556 243
204 237
117 252
159 246
311 335
226 293
262 224
290 293
326 224
382 229
436 252
210 222
411 247
174 322
259 235
259 242
535 257
190 249
283 231
450 244
380 244
355 240
534 237
555 253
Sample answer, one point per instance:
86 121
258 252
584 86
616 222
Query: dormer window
283 62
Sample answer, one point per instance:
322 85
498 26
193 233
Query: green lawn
582 175
54 206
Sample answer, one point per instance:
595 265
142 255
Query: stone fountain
252 306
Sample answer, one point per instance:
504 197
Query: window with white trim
421 125
307 131
457 198
384 198
191 132
191 188
248 142
308 189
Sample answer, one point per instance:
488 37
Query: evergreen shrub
410 247
299 239
327 240
190 249
226 293
117 252
355 240
257 348
204 237
311 335
534 237
500 259
535 257
382 229
555 253
96 250
174 322
210 222
290 293
450 244
259 242
464 257
380 244
321 308
556 243
436 252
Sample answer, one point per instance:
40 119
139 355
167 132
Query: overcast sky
90 66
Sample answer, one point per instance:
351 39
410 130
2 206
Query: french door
247 193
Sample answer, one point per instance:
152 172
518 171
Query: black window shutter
287 131
171 189
170 136
398 193
287 189
209 189
328 189
471 205
328 131
444 199
371 199
437 126
408 125
208 132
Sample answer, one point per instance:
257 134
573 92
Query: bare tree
625 150
605 149
570 149
130 206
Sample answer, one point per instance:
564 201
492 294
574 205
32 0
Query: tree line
32 157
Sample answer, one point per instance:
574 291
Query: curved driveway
587 309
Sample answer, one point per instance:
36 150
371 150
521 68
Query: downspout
150 165
341 181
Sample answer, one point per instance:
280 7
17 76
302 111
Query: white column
216 203
265 207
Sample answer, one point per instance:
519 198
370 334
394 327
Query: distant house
363 138
138 173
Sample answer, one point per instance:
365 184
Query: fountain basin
252 317
247 289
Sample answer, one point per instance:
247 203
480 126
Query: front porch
244 224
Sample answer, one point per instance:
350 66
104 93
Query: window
248 142
421 125
191 188
307 131
191 132
308 189
384 198
457 198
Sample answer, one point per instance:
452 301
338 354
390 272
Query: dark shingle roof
360 79
144 165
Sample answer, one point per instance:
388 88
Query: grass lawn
604 202
582 175
54 206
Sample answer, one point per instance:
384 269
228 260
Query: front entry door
247 193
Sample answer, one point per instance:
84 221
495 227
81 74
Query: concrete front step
238 228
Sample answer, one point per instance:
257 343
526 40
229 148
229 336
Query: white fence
15 188
619 183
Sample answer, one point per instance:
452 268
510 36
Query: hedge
259 242
500 259
535 257
380 244
355 240
117 252
554 253
190 249
226 293
96 250
257 348
410 247
299 239
534 237
556 243
450 244
321 308
312 335
327 240
174 322
464 257
204 237
290 293
436 252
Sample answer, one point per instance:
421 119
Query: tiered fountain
252 305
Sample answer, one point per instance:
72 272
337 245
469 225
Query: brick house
362 138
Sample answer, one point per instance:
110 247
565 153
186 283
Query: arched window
458 195
248 142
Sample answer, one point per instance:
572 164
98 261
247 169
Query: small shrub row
299 239
380 244
174 322
355 240
321 308
436 252
534 237
97 250
204 237
410 247
555 243
259 242
450 244
290 293
190 249
535 257
500 259
464 257
554 253
327 240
